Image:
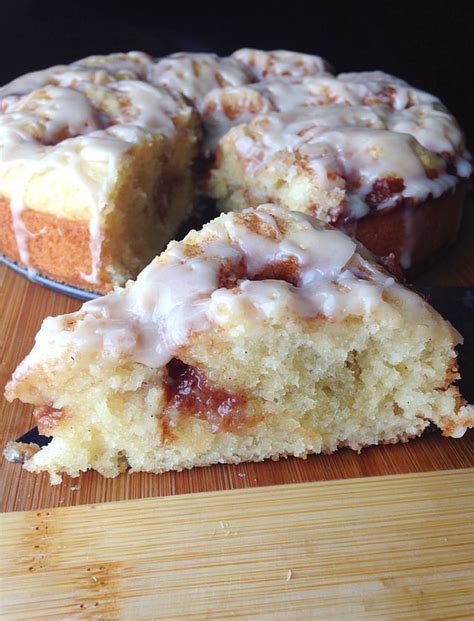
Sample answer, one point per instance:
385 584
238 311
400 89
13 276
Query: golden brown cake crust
58 248
418 230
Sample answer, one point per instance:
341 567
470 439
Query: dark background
429 44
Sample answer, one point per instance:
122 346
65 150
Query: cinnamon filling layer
230 273
383 189
189 392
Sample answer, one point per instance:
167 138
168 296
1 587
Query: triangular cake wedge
265 334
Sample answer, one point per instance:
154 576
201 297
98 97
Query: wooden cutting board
396 547
24 305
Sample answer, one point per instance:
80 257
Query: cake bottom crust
21 453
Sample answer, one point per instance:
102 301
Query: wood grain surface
381 548
24 305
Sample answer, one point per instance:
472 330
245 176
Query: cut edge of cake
97 174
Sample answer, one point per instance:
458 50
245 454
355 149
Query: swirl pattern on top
279 63
277 125
399 107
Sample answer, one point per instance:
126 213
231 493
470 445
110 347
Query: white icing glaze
129 65
195 75
279 63
180 294
289 93
222 108
389 104
389 88
31 81
150 107
86 116
435 129
340 144
95 69
373 154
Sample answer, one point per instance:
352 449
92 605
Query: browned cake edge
418 230
58 248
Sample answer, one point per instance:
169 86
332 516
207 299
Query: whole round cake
103 160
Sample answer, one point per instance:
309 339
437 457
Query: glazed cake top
350 131
234 90
263 64
348 151
195 75
372 126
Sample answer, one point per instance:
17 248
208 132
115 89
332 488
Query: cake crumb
241 474
289 575
75 488
20 452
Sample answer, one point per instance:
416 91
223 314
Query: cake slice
96 172
266 334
